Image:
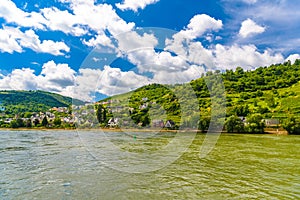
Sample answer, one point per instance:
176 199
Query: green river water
63 165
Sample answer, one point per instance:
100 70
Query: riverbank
95 129
279 131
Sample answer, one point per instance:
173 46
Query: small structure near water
272 122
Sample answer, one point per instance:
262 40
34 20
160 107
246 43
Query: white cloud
12 14
250 1
281 12
191 51
182 44
135 4
223 57
250 28
199 55
19 79
184 76
8 43
109 81
147 60
200 24
63 21
30 40
12 39
100 18
246 56
57 78
293 58
133 41
140 50
100 40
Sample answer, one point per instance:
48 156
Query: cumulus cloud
132 41
54 78
250 28
182 54
64 21
12 39
8 43
99 40
100 18
200 24
109 81
293 58
148 60
246 56
12 14
135 5
19 79
172 77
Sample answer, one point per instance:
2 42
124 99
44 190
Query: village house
113 122
158 123
144 106
60 109
271 122
170 124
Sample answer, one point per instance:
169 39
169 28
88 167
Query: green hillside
271 92
12 102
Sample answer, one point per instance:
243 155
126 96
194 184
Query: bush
255 124
234 124
292 125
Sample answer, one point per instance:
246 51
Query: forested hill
12 102
272 92
263 78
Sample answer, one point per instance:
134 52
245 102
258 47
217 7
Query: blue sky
83 48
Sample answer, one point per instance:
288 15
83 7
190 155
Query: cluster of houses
268 122
162 124
86 114
115 122
36 118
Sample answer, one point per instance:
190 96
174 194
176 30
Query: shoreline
272 132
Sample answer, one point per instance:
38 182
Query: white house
113 122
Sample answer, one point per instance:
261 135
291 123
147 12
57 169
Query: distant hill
12 102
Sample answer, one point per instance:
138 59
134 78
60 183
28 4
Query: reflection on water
57 165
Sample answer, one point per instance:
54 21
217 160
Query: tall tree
101 113
45 122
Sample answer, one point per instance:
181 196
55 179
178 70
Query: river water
68 165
